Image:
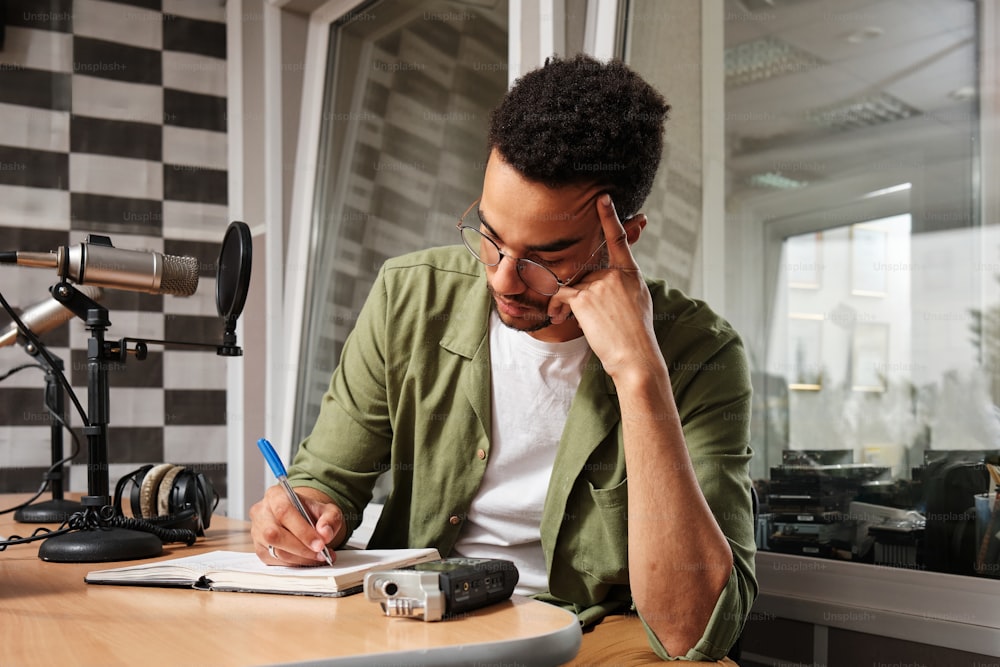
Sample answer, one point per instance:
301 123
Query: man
509 385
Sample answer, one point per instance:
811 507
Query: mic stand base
100 545
49 511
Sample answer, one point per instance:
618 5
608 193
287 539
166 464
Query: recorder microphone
97 262
44 317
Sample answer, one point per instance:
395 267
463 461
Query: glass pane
852 169
409 89
658 44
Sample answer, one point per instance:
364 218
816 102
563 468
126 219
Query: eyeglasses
535 276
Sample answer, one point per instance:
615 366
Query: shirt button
454 519
481 454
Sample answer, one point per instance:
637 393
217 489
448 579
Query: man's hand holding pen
278 524
301 524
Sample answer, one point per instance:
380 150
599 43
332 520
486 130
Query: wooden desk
49 616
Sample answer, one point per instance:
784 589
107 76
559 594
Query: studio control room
500 332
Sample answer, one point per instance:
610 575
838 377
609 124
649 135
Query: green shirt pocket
602 534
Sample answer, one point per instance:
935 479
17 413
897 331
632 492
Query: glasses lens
537 277
481 247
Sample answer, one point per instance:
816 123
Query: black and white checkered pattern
113 121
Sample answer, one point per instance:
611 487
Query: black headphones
169 496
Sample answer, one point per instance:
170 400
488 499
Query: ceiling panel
892 72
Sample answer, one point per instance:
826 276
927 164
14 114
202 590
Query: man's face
558 228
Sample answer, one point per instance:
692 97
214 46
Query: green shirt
411 397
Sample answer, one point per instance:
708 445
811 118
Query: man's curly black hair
581 120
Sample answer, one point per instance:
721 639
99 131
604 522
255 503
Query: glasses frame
519 262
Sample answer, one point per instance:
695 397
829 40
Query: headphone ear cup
206 499
149 490
193 491
164 506
137 477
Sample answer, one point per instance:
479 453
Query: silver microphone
45 316
97 262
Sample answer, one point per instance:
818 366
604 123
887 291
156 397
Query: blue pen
278 468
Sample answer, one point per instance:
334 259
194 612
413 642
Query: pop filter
233 282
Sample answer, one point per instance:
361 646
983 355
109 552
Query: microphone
97 262
45 316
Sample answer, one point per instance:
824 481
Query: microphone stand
58 509
97 539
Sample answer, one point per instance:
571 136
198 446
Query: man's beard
535 321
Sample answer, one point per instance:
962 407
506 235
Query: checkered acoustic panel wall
113 122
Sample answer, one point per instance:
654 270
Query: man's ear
634 226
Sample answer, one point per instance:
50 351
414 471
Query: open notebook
244 572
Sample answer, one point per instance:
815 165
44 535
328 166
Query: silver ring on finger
270 550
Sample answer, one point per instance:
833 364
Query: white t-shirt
533 386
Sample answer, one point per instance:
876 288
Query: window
409 89
869 295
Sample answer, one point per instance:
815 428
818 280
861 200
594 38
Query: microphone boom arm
140 346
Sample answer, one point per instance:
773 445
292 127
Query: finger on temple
619 241
619 253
